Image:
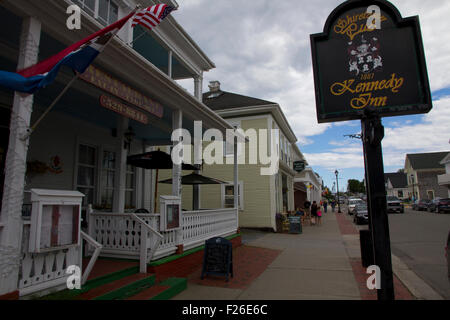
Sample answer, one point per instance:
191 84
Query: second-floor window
105 11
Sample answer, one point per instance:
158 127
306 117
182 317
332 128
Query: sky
261 49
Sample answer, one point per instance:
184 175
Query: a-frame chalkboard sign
218 258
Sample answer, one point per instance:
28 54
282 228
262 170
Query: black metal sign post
372 134
369 63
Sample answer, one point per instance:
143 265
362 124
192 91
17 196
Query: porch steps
162 291
120 289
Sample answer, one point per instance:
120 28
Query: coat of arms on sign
364 56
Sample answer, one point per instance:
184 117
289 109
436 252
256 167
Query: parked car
394 204
361 215
352 203
439 205
420 205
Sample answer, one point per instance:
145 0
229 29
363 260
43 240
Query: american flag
152 16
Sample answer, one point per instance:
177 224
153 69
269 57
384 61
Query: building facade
444 179
422 171
397 185
127 102
260 196
313 183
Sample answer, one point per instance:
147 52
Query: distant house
313 183
444 179
397 185
422 171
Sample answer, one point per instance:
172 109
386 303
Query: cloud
262 49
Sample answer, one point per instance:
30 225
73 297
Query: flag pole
33 127
138 37
77 75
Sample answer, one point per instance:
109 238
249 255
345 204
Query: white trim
273 109
238 125
241 193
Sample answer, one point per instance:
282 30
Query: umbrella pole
156 191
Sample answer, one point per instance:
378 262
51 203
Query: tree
356 186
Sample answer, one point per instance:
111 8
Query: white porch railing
41 271
120 234
199 226
147 243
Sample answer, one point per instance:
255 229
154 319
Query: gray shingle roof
398 179
427 160
222 100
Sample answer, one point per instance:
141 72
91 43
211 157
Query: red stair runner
149 293
112 286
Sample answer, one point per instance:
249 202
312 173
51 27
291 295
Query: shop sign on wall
119 89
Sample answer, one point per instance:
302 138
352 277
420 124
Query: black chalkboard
295 224
218 257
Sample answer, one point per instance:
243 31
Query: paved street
418 239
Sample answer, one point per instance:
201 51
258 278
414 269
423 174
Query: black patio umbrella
155 160
195 179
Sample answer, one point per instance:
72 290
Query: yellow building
260 196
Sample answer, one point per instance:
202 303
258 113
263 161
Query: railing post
144 249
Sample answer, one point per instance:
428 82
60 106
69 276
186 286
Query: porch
83 144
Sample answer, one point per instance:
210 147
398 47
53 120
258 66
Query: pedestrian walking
325 206
314 208
333 205
319 217
307 206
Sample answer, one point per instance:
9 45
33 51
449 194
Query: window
228 195
130 188
228 148
105 11
107 179
87 165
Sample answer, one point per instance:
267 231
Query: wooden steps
119 289
162 291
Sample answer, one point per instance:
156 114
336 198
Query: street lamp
337 184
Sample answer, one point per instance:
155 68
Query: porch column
196 189
169 65
198 87
15 165
236 180
147 184
177 123
121 166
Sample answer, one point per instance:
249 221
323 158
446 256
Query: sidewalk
320 263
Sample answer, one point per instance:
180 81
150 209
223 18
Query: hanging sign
104 81
120 108
369 60
299 166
